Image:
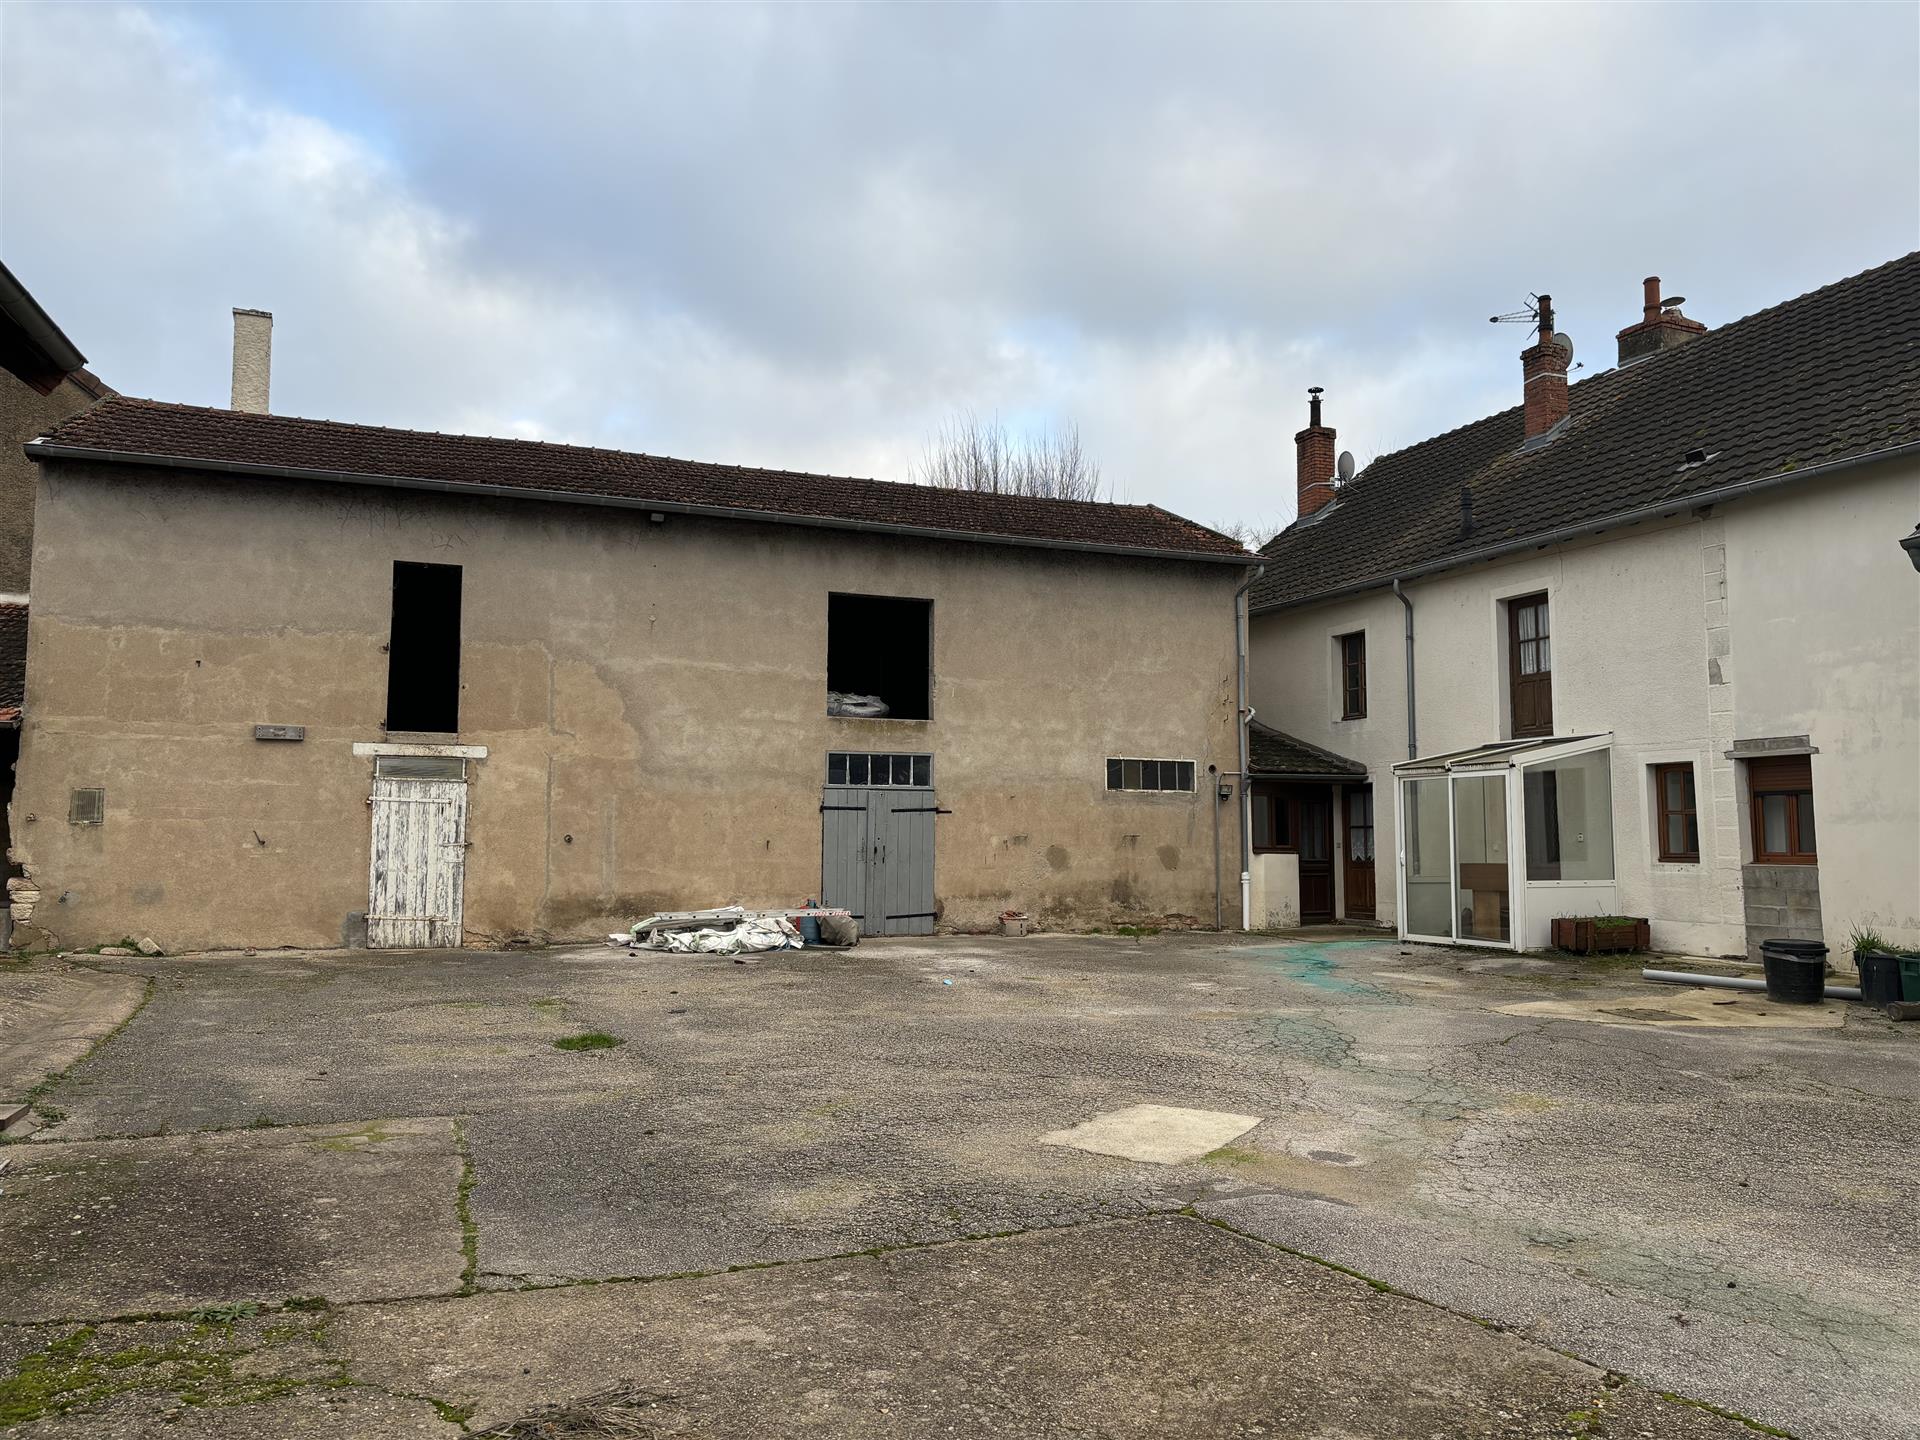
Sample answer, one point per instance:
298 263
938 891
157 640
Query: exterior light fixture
1912 546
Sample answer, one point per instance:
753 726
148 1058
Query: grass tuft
591 1040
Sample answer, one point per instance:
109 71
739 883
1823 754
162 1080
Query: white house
1613 651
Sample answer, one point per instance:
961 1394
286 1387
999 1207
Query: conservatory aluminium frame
1535 901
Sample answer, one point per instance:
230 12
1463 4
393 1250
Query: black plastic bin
1879 976
1796 971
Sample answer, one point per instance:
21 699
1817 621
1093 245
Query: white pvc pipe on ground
1737 982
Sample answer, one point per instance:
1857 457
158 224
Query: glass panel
856 769
1130 774
1568 810
1546 659
1540 618
1805 818
1526 620
1693 835
1429 893
1676 790
1773 824
1113 775
882 769
903 770
1480 857
1186 775
923 770
1150 775
1529 656
836 769
1677 835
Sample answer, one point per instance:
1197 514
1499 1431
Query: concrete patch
1670 1005
50 1016
116 1227
1159 1134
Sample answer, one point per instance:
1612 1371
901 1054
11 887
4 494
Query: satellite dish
1343 467
1564 341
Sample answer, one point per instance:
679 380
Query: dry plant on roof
971 453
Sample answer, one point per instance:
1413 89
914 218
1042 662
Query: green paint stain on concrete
1318 965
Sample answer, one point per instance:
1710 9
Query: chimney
1313 449
252 359
1661 325
1543 368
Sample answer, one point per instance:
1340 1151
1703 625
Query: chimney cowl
1314 460
252 360
1661 325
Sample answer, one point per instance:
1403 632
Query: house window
845 767
1781 790
879 657
423 649
1149 774
1679 819
1275 819
87 807
1530 666
1353 676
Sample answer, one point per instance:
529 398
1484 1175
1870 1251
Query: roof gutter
49 450
1662 510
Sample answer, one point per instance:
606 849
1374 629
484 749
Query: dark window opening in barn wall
423 651
879 657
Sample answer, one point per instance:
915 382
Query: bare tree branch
969 453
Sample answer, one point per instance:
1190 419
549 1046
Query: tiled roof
1832 375
1272 752
13 660
127 428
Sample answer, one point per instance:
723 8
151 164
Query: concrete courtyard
905 1190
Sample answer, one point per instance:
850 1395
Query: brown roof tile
1829 376
13 660
125 428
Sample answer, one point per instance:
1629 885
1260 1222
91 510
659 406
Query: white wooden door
419 863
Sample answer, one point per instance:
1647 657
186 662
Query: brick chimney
1543 368
1661 325
1313 449
252 359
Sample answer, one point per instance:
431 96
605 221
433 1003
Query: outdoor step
12 1115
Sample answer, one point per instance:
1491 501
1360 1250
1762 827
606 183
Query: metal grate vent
419 767
88 807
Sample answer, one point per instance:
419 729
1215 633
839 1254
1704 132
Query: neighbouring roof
31 345
1273 754
122 428
1830 376
13 661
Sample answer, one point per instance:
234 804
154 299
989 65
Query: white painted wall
1787 613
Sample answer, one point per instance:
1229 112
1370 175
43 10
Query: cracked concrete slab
115 1227
805 1108
1150 1328
1157 1134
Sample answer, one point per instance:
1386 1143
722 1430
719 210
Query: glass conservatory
1495 843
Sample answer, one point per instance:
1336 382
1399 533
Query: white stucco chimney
252 359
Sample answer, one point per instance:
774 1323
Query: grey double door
876 856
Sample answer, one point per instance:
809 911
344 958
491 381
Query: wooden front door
1530 665
1316 856
876 857
1359 853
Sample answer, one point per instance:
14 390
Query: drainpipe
1413 742
1240 624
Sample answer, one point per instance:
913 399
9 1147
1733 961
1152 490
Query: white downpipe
1241 623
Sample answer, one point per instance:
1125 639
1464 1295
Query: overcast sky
802 236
